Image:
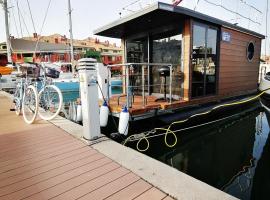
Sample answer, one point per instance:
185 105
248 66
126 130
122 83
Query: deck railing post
170 83
127 85
109 85
143 80
148 78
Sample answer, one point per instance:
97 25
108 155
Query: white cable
227 9
46 13
28 4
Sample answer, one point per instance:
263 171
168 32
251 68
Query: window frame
247 52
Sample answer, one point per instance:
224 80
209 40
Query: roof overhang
158 15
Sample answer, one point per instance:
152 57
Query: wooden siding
236 73
186 43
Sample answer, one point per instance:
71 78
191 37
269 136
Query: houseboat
175 57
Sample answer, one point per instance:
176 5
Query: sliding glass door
204 60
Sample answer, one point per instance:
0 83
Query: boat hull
264 86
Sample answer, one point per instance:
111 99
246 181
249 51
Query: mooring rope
149 134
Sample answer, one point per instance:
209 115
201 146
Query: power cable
14 19
134 2
103 96
251 6
29 8
46 13
144 136
231 11
196 5
23 21
19 18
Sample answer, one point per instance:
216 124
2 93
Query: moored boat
264 84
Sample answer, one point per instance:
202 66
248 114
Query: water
71 90
233 155
117 86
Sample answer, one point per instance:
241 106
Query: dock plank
93 184
46 165
153 194
30 178
131 192
41 161
61 152
111 188
51 150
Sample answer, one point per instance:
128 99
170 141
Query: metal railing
127 73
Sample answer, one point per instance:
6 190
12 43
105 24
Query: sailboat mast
266 26
7 32
71 36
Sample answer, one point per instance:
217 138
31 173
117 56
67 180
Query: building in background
56 48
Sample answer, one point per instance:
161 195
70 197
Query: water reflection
233 156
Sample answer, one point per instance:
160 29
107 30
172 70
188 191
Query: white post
89 99
71 37
7 32
266 28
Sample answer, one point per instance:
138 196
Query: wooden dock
41 161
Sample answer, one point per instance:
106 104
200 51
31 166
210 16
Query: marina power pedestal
89 98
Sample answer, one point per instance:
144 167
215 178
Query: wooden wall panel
186 43
236 73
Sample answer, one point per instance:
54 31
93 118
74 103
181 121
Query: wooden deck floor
41 161
151 103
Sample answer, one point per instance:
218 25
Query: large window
204 60
167 48
164 47
137 50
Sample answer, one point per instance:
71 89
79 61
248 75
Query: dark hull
138 126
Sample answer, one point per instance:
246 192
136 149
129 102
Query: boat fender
79 113
104 114
74 113
123 121
70 114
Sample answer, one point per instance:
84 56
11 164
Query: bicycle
50 97
26 98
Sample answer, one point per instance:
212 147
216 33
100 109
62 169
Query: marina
50 163
236 144
165 101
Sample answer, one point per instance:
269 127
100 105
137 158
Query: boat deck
151 104
41 161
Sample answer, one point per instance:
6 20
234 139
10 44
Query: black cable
108 105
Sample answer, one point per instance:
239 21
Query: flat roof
157 15
28 46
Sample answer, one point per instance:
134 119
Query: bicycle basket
52 73
31 69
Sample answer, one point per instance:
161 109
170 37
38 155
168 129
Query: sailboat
264 74
8 79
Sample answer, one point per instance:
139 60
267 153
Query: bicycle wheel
17 100
50 102
30 104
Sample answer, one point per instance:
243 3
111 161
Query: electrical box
88 78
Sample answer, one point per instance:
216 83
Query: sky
87 15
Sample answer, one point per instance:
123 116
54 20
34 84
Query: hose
108 106
169 131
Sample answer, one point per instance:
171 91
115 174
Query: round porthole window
250 51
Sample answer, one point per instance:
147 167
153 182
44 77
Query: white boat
264 79
8 82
